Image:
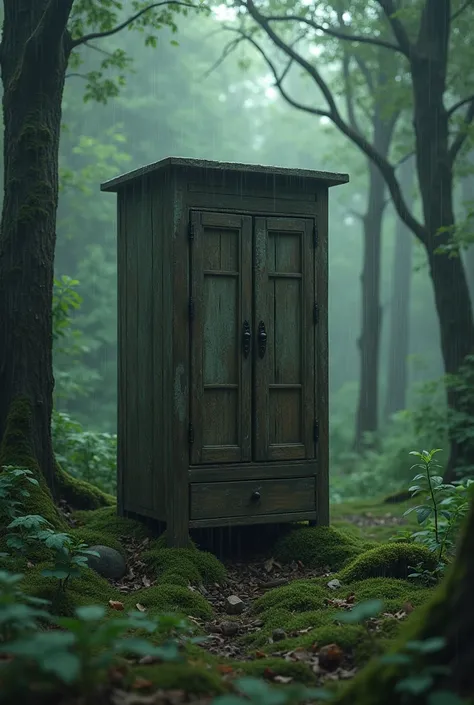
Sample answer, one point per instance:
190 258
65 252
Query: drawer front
212 500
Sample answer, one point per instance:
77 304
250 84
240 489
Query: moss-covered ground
290 600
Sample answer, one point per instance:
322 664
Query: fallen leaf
140 608
408 607
283 679
260 654
269 674
222 668
141 683
269 565
116 605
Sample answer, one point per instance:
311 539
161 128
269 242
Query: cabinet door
221 288
284 312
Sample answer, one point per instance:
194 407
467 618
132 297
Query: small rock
278 634
229 628
109 563
234 605
334 584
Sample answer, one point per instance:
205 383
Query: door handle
246 339
262 339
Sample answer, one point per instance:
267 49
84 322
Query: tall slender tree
398 345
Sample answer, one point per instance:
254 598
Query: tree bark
467 187
435 176
398 347
33 66
369 341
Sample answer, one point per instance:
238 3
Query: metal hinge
315 235
191 231
316 431
190 434
315 313
191 308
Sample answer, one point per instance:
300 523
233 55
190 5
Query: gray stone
234 605
109 563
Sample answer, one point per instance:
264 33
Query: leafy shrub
87 455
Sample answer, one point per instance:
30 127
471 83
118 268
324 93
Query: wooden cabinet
222 344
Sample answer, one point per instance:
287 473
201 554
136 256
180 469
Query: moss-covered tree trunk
33 64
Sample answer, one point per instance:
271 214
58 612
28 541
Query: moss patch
317 547
300 672
96 538
389 589
298 596
106 522
190 564
171 598
388 560
16 450
88 588
80 494
199 679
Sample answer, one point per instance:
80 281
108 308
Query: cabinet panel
221 286
284 370
251 497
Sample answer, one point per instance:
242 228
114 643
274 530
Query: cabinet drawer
212 500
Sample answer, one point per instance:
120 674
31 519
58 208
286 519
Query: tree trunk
33 66
468 205
369 341
398 347
435 176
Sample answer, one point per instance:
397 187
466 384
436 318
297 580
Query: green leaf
427 646
361 612
91 613
423 513
66 666
414 684
396 659
58 573
444 697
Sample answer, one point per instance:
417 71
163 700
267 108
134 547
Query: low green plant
440 515
12 491
81 648
258 692
69 555
418 681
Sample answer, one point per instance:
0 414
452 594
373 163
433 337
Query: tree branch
338 34
460 10
398 29
334 115
99 35
459 104
462 134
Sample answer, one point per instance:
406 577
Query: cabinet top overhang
325 178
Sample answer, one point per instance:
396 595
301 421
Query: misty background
173 104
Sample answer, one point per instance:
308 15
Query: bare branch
76 75
398 29
405 158
459 104
349 93
99 35
227 51
334 115
460 10
462 134
338 34
364 69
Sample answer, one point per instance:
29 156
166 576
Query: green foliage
441 515
388 560
176 564
84 648
12 490
88 455
256 691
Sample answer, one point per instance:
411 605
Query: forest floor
268 614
